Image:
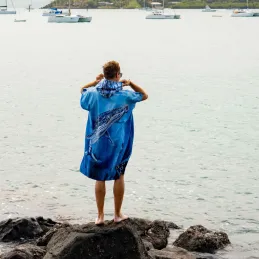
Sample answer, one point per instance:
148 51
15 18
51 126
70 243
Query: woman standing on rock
109 133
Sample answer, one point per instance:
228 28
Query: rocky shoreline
135 238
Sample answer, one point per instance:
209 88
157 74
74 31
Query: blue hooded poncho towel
109 129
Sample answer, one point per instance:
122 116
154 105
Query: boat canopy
156 3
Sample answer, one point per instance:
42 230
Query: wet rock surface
200 239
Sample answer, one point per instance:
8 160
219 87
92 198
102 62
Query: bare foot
99 220
120 218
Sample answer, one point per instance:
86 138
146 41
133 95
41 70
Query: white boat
4 9
207 9
242 13
61 18
84 18
159 14
19 20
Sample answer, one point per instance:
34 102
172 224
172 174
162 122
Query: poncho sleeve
134 97
87 99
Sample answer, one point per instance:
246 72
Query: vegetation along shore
133 4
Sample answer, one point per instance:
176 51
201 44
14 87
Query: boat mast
247 4
12 4
69 12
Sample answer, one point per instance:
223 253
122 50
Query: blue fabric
108 88
109 130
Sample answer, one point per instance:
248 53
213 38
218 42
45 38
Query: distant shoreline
129 8
135 4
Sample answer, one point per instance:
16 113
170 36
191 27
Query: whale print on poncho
104 121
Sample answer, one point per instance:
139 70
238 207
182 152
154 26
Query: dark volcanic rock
46 224
157 234
171 225
23 228
19 228
148 245
199 239
114 241
25 252
60 235
44 240
141 225
131 239
172 253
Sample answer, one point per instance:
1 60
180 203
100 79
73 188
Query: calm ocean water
195 159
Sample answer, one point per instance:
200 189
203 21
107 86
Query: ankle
117 214
100 215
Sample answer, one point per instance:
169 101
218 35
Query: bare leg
100 191
118 191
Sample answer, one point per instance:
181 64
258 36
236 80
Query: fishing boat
68 18
243 13
19 20
158 12
64 18
4 9
207 9
61 18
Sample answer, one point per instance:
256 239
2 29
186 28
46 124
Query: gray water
195 158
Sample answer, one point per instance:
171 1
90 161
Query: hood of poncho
108 88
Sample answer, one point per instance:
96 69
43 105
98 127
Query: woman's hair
111 69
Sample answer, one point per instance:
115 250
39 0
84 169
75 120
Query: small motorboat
19 20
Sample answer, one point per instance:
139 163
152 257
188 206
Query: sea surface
196 150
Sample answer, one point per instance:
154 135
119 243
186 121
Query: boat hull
7 12
242 14
163 16
19 20
63 19
84 18
256 14
208 10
